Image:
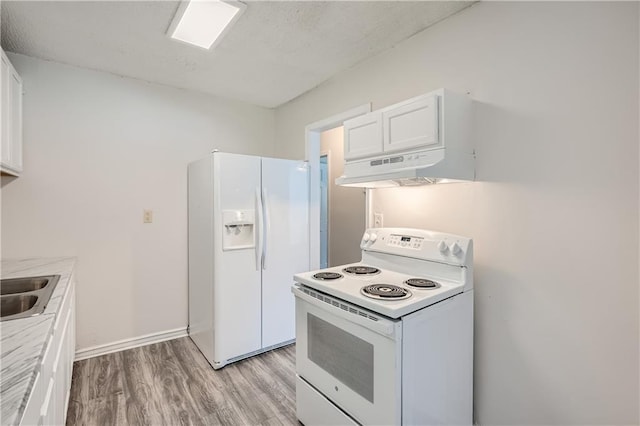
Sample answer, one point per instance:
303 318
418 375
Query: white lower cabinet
49 398
62 376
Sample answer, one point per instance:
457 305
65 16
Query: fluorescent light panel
204 21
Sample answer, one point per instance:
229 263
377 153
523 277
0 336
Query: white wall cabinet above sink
10 118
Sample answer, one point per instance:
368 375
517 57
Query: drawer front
312 408
66 306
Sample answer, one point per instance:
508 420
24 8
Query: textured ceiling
275 52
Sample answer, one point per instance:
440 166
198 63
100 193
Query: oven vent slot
337 304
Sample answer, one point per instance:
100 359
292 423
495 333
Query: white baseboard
134 342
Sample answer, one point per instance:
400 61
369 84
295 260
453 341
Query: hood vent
417 181
421 141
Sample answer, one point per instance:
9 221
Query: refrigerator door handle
266 227
258 230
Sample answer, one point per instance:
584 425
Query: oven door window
341 354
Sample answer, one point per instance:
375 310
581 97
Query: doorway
312 155
343 209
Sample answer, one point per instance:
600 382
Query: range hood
421 141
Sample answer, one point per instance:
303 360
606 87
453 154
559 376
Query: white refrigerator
248 235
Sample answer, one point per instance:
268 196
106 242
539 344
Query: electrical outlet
147 216
377 220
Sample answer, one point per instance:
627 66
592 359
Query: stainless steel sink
16 304
25 297
21 285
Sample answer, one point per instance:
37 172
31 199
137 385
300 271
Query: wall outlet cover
378 220
147 216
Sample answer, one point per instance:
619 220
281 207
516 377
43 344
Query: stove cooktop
389 293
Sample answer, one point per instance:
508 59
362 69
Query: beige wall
98 149
346 205
554 211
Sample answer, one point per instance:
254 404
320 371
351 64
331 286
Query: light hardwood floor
171 383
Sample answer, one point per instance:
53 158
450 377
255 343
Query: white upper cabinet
10 118
5 75
411 125
421 140
363 136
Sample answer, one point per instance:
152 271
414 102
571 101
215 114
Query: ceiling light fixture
203 22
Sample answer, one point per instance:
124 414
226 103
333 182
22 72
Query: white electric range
388 340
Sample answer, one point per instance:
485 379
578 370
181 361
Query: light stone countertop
22 341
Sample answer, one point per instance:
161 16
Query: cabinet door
412 126
5 78
71 349
15 125
60 375
363 136
10 118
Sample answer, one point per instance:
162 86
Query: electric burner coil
385 292
327 276
361 270
422 283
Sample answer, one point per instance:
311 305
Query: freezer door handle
258 231
266 227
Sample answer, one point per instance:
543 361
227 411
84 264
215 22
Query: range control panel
405 241
419 244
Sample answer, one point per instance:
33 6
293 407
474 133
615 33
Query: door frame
312 156
328 155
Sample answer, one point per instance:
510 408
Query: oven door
351 355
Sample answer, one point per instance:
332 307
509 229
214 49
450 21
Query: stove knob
374 237
366 237
456 249
442 246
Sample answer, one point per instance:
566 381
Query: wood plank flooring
171 383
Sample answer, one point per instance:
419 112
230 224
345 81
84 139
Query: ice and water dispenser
238 229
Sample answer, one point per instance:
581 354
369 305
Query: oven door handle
385 327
